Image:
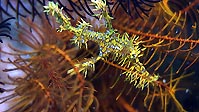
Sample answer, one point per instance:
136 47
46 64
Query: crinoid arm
5 29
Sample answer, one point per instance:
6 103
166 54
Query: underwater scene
99 55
